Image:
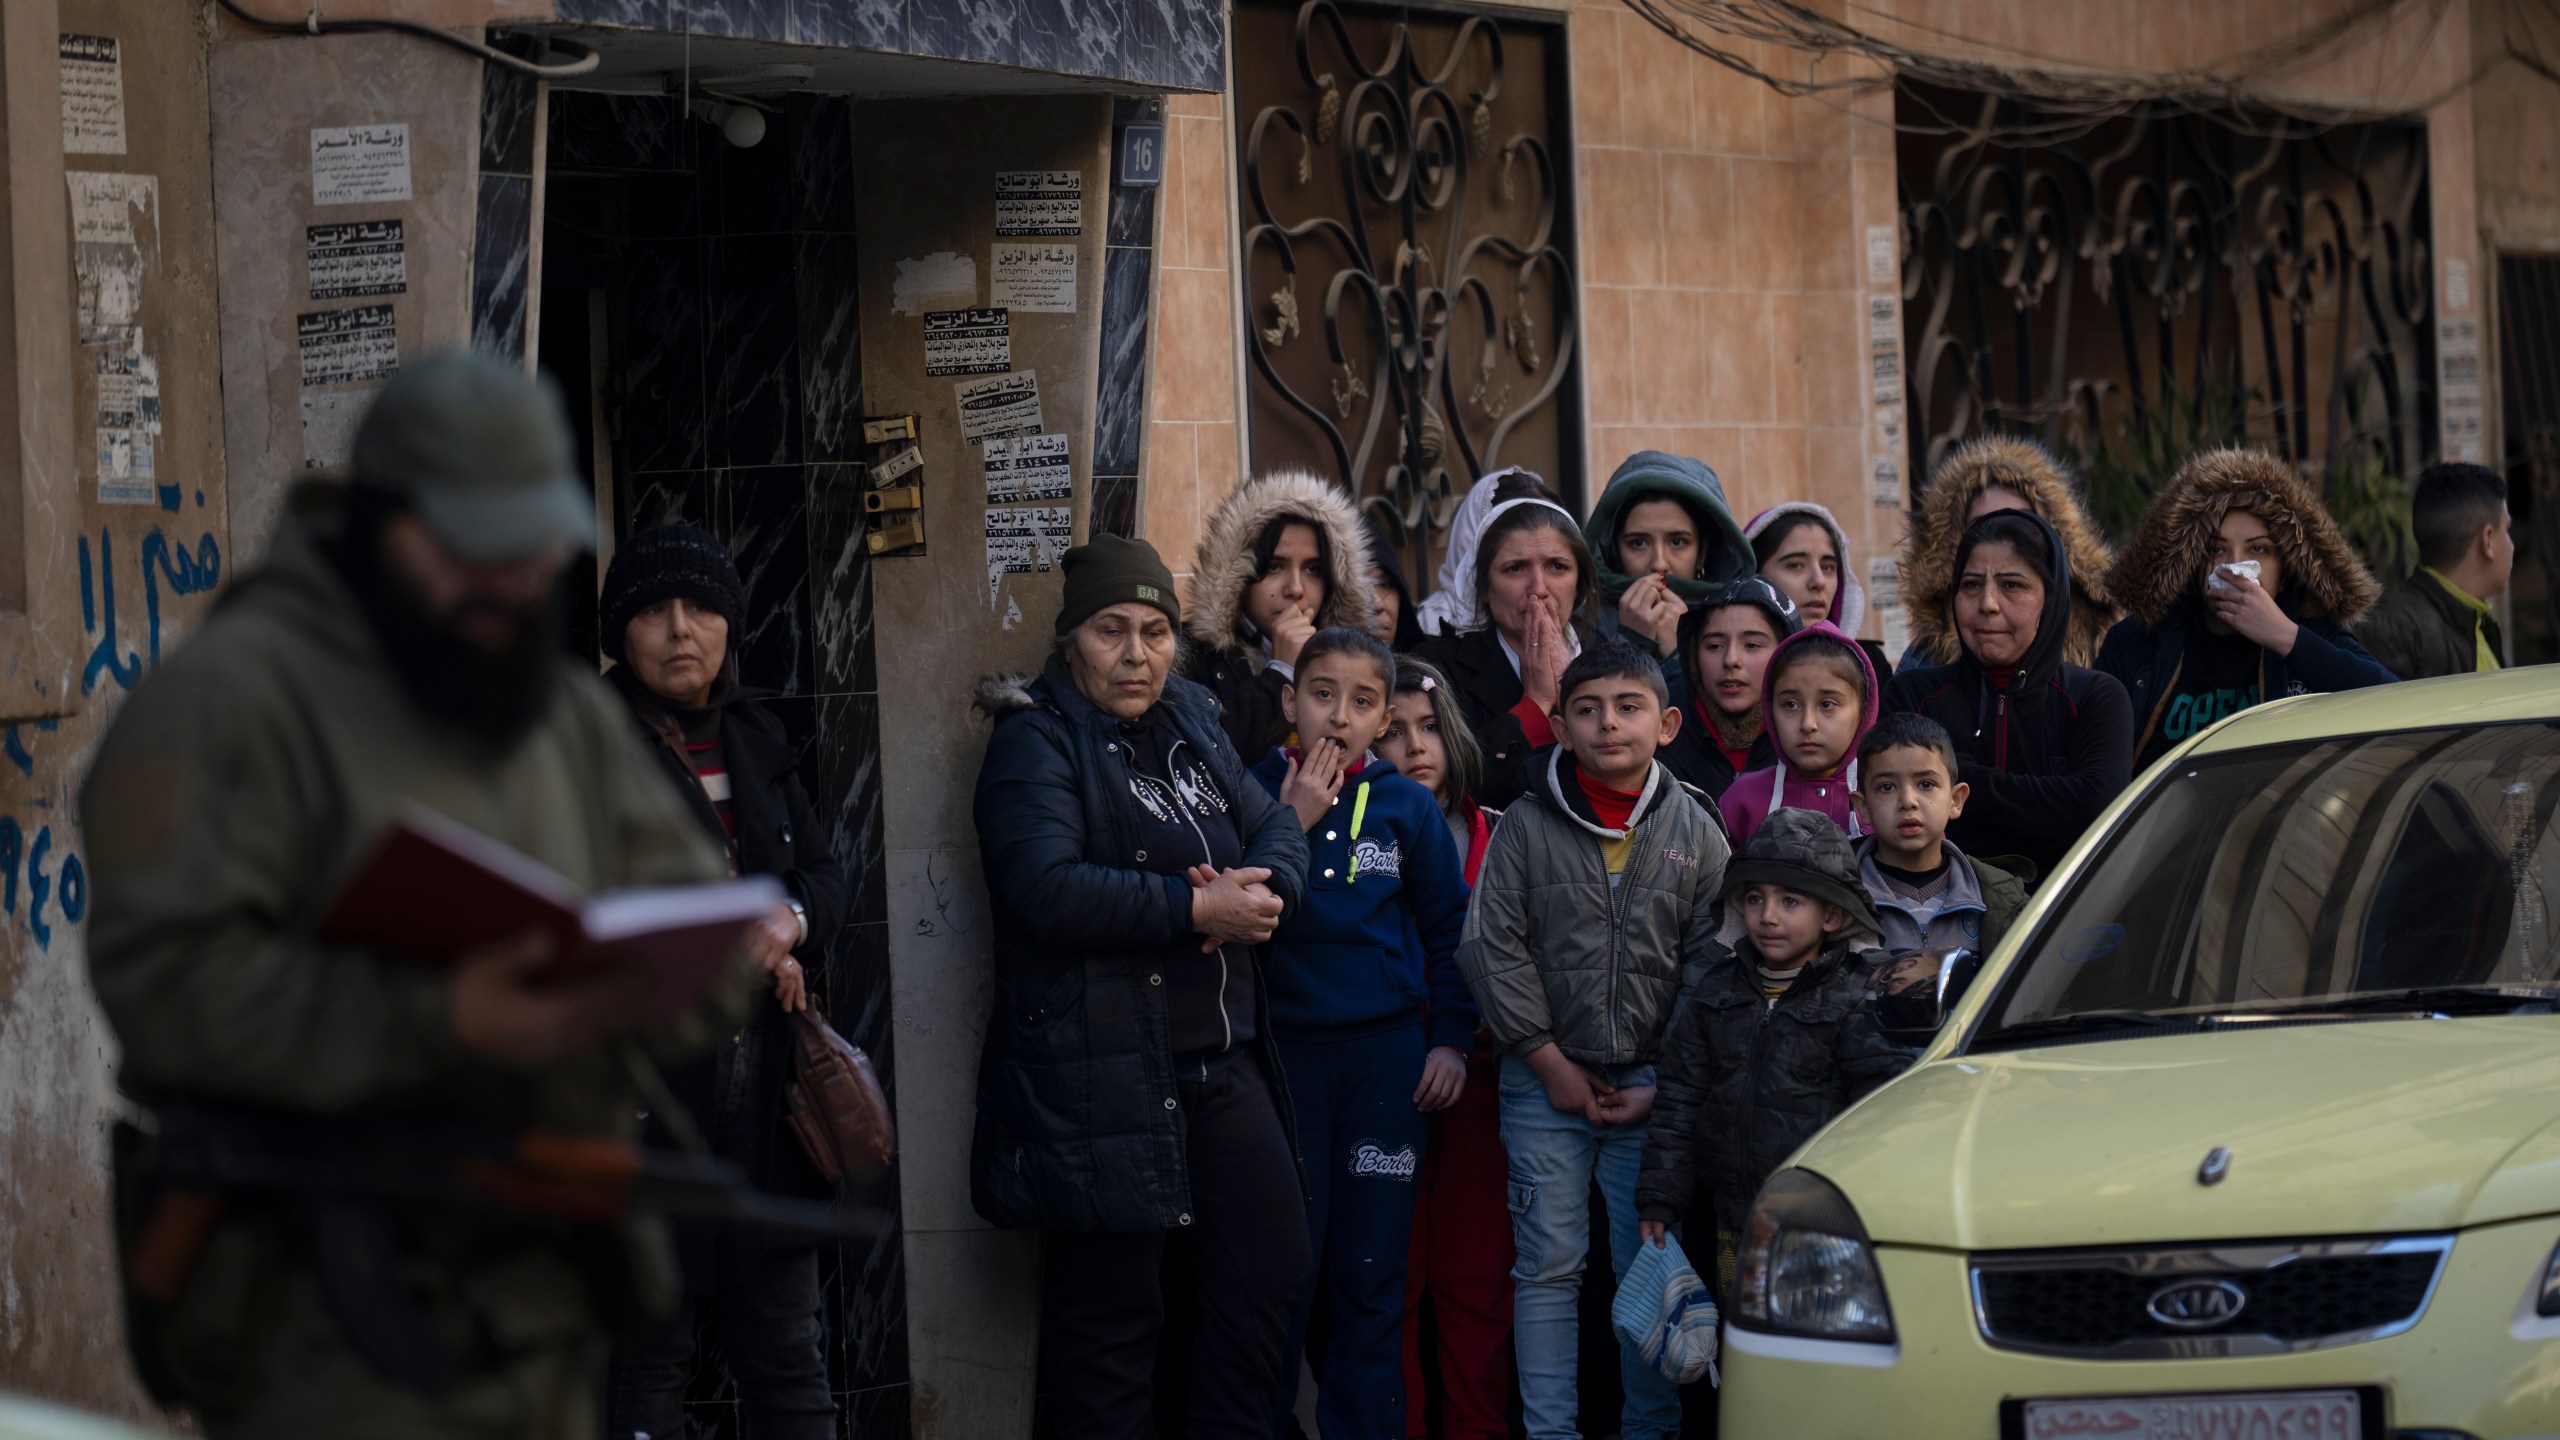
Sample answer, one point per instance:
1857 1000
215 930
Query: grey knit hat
668 562
1803 851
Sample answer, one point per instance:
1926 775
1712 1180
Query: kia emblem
2197 1304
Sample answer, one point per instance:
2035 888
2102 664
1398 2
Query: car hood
2333 1129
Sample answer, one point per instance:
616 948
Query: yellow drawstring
1359 809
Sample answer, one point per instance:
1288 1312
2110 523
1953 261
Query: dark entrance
698 309
1409 252
2529 402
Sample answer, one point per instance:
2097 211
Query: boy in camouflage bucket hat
1775 1037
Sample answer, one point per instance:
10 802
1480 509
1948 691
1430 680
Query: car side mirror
1917 991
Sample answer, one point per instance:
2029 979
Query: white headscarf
1452 607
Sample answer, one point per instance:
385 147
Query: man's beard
496 695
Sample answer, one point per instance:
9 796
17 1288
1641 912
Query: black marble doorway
700 301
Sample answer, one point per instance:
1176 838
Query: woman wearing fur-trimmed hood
2000 472
1285 555
2238 588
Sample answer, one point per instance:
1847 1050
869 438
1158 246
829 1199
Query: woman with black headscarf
2044 744
672 602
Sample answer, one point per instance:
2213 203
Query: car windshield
2402 873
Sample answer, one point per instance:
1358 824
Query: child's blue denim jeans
1554 1158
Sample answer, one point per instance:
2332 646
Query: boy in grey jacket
1598 889
1928 894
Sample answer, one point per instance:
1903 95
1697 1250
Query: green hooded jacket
1648 473
234 794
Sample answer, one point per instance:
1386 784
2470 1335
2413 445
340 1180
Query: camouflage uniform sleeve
199 835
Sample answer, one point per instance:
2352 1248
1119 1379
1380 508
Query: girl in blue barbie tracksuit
1372 1015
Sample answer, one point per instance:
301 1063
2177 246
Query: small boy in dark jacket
1776 1037
1928 894
1372 1016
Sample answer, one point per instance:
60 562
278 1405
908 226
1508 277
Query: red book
434 890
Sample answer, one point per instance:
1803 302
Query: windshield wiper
2444 999
2086 1022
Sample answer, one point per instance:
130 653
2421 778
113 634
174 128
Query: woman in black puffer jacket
1129 1089
2044 745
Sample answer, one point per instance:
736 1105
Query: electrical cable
2067 102
314 25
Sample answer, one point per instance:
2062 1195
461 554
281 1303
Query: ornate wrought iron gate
1408 251
2167 281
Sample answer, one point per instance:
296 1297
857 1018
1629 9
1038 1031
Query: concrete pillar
926 226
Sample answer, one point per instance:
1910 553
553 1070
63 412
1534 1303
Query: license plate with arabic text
2275 1415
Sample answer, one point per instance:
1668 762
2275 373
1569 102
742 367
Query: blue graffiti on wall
183 573
59 893
67 887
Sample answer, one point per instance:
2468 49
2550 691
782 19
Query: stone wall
140 569
926 195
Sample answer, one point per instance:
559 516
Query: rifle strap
355 1257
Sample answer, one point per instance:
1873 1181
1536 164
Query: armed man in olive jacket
400 647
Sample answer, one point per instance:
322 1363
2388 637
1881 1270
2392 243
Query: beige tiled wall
1191 435
1724 273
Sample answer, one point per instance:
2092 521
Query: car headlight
2548 1303
1804 1266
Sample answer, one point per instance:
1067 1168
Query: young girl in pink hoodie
1818 697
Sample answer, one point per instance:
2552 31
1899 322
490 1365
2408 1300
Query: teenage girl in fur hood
2000 472
2191 650
1286 555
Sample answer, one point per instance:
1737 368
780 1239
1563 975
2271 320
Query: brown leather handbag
834 1104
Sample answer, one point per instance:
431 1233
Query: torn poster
1024 538
92 95
1884 256
1884 597
943 280
1887 477
128 422
1028 467
359 164
366 257
1039 202
997 405
329 420
967 342
107 254
2459 417
1884 339
1033 276
343 345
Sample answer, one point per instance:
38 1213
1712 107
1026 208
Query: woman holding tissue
1285 556
2238 588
